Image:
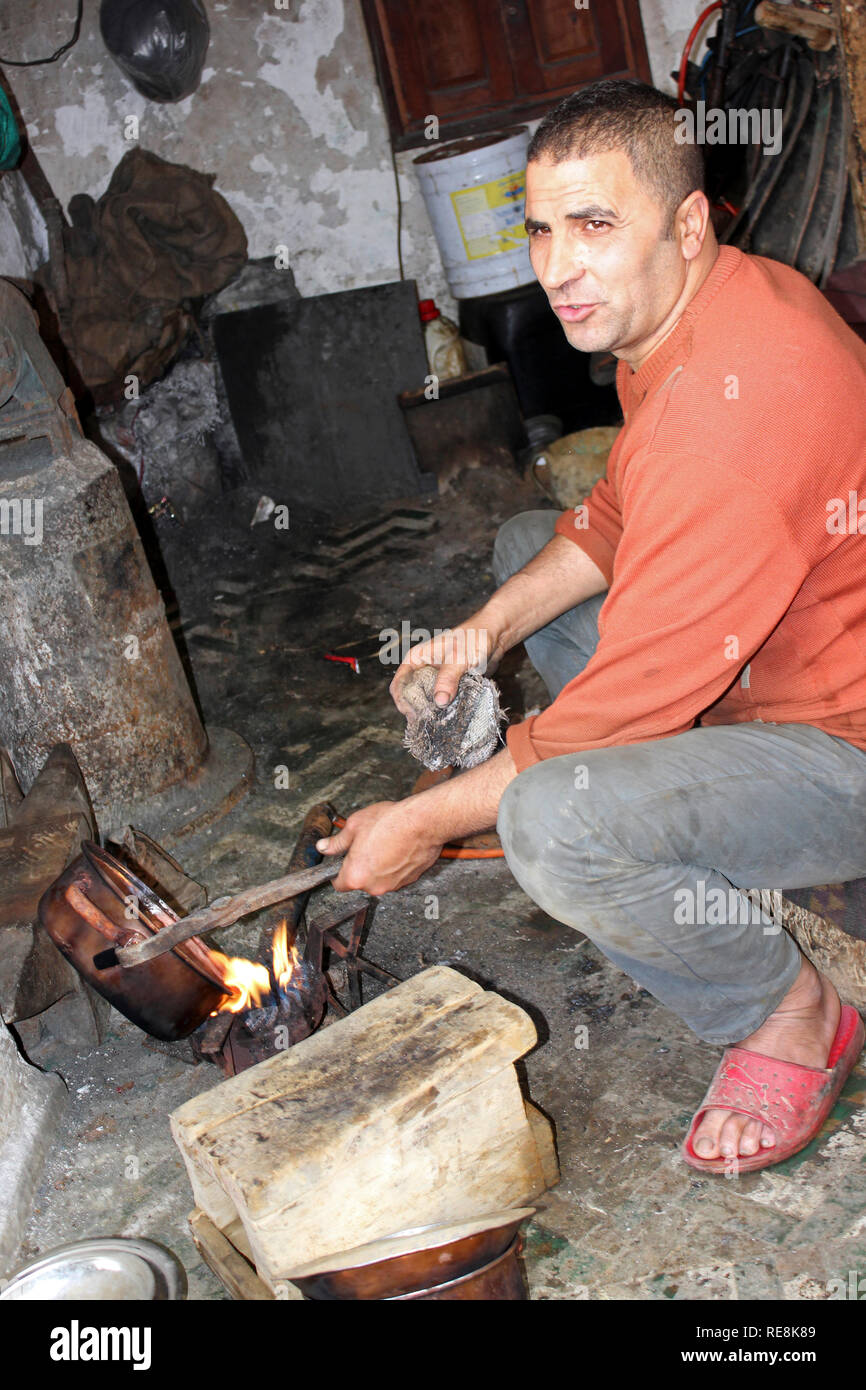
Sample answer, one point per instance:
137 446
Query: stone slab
32 1103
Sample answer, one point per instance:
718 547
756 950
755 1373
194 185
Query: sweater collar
633 386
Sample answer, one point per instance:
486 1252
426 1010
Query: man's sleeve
705 569
596 526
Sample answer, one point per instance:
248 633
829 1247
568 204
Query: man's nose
560 266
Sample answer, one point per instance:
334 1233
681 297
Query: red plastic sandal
792 1100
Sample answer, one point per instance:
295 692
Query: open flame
250 983
285 957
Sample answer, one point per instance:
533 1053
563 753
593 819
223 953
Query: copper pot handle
96 918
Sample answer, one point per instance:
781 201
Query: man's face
597 245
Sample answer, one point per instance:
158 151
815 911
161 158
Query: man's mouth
573 313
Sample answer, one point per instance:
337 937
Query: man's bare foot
801 1030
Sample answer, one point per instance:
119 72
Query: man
700 624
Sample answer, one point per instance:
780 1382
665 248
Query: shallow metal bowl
100 1270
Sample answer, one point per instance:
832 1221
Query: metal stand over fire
235 1041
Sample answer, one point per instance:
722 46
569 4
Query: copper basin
481 1265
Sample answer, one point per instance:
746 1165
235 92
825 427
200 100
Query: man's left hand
385 849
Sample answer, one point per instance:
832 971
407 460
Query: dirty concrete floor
257 611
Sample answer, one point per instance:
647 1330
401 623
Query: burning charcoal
303 1000
261 1021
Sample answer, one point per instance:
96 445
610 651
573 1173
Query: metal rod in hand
228 910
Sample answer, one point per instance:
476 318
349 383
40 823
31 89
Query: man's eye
595 223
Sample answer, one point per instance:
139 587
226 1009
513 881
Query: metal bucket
474 191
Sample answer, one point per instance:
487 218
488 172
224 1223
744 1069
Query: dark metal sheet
312 387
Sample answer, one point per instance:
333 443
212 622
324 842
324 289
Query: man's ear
692 224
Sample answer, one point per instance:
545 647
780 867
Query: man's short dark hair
631 116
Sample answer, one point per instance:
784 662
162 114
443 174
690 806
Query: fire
286 958
249 982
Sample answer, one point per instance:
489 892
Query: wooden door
476 64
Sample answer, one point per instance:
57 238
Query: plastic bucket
474 190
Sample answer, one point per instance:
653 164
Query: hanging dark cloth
158 238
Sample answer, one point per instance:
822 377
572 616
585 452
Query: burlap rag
462 734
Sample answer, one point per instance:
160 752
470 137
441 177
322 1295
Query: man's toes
723 1134
706 1140
750 1139
731 1134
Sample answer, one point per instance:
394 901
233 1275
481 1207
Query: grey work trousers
645 847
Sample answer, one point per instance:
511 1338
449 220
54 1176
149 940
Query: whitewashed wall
288 117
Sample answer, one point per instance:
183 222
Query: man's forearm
465 804
557 579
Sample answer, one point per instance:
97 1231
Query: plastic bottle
442 339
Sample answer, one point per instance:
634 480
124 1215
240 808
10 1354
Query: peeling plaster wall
23 235
288 117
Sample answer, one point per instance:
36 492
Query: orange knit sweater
731 527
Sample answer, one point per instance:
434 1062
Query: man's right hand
468 647
558 578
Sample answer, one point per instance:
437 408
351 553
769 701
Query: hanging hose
812 180
725 35
830 244
690 42
790 138
748 66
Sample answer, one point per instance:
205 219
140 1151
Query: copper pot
482 1264
499 1280
85 911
